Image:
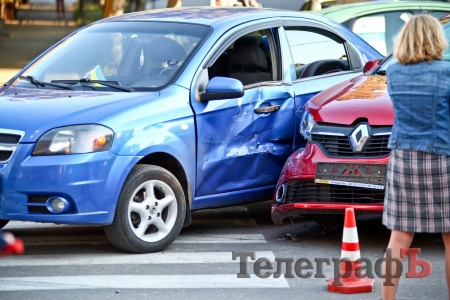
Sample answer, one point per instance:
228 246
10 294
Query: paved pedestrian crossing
137 282
182 239
196 261
120 259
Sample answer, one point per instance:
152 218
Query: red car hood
363 97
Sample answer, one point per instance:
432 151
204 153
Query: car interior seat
248 61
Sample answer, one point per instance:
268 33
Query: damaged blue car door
243 142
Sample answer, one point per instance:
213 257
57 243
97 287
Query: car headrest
248 55
255 39
164 49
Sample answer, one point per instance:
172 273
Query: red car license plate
371 176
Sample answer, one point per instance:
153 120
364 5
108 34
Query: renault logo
359 137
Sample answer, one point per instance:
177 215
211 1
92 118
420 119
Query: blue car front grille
5 155
9 140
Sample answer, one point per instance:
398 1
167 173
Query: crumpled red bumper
301 165
282 211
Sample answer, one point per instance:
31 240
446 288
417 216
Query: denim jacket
420 94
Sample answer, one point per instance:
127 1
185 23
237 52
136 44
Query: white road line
224 222
122 259
220 238
64 240
181 239
201 218
139 282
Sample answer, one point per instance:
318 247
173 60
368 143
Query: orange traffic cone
350 250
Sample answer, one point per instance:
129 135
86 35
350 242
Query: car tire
148 222
3 223
330 223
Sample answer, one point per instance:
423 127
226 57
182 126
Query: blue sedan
135 121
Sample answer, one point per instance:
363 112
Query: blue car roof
223 18
212 16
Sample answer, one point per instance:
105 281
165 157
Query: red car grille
307 191
340 146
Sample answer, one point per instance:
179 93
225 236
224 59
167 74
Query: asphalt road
78 262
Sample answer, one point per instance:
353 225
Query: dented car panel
304 91
250 147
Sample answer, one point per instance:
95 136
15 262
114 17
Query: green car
379 22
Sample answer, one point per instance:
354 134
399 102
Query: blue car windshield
446 24
140 55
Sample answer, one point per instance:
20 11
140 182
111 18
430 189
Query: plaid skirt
417 192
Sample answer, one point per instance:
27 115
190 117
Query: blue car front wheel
150 212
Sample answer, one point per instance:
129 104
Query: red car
344 162
345 159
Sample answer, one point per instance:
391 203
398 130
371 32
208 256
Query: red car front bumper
301 168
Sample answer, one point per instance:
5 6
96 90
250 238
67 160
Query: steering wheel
168 72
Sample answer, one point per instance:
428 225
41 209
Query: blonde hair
421 39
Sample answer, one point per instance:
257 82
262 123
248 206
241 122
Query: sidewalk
36 28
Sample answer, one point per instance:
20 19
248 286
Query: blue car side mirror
222 88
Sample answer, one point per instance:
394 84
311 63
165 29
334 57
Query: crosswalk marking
228 223
198 220
121 259
221 238
181 239
170 258
138 282
56 240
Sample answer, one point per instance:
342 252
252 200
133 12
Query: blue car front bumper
90 182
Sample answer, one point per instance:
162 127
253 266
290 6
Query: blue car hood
36 111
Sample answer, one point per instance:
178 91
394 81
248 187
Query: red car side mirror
370 65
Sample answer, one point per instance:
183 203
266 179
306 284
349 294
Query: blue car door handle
265 110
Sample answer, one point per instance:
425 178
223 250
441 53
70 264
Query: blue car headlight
74 140
306 125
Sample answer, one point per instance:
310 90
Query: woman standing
417 195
